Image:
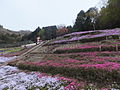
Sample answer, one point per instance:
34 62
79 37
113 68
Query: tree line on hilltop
93 19
47 33
106 18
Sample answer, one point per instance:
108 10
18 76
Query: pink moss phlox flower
40 63
71 86
85 65
72 61
115 66
106 65
98 60
102 33
112 58
74 86
55 64
40 75
68 87
67 79
104 89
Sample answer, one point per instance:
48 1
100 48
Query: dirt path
33 54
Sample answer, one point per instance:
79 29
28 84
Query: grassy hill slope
9 36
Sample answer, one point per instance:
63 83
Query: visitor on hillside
38 41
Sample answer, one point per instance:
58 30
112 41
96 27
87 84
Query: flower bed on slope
98 74
88 37
99 68
13 79
88 48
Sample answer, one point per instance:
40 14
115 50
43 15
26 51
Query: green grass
10 50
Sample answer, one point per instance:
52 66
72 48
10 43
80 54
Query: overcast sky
29 14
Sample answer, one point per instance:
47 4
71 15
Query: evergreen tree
110 15
86 20
34 35
80 22
92 15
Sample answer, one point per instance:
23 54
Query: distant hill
10 36
24 32
21 32
4 31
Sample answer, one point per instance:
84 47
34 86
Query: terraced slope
31 54
88 36
95 62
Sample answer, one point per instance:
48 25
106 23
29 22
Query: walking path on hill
27 55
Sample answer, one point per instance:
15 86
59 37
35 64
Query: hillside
7 31
10 36
91 58
4 31
24 32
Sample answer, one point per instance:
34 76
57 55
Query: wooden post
63 46
106 38
76 45
116 47
119 37
100 47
